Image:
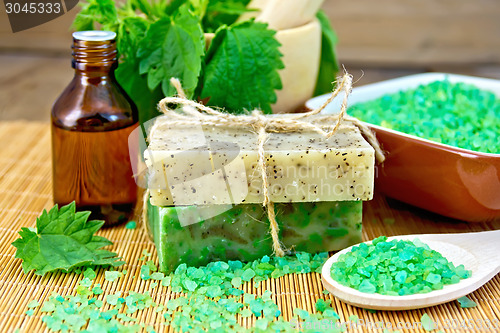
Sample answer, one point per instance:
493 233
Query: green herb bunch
160 39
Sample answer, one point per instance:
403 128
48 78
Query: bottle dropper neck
94 51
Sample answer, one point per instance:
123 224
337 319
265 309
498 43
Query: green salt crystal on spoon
433 278
383 266
367 287
401 276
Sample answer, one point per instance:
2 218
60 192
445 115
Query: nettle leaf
173 6
199 7
329 67
130 32
144 6
63 240
173 47
223 12
137 89
102 12
242 66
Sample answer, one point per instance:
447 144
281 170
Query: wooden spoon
479 252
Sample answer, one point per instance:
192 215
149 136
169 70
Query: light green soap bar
242 232
213 166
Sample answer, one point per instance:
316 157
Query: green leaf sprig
160 39
63 240
225 67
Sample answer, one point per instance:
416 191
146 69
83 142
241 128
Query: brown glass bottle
91 123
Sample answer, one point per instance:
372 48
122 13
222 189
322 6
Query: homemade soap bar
213 166
242 232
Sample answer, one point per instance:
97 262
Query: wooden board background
417 32
389 33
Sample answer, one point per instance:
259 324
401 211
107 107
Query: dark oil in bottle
91 124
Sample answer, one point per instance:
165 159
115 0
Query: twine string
194 113
267 203
144 213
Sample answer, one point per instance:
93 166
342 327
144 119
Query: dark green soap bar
242 232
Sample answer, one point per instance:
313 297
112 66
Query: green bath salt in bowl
456 114
396 268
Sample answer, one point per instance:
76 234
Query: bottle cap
95 48
94 35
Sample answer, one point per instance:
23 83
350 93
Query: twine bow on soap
194 113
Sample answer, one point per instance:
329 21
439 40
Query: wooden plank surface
29 84
53 37
25 189
417 33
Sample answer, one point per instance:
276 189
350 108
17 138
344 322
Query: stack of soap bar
206 192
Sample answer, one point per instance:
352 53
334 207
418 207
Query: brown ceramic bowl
450 181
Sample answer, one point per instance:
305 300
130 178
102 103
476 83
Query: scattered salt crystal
112 275
466 302
89 273
427 323
33 304
248 274
131 225
97 289
303 314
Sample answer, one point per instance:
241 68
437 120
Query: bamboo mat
25 189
